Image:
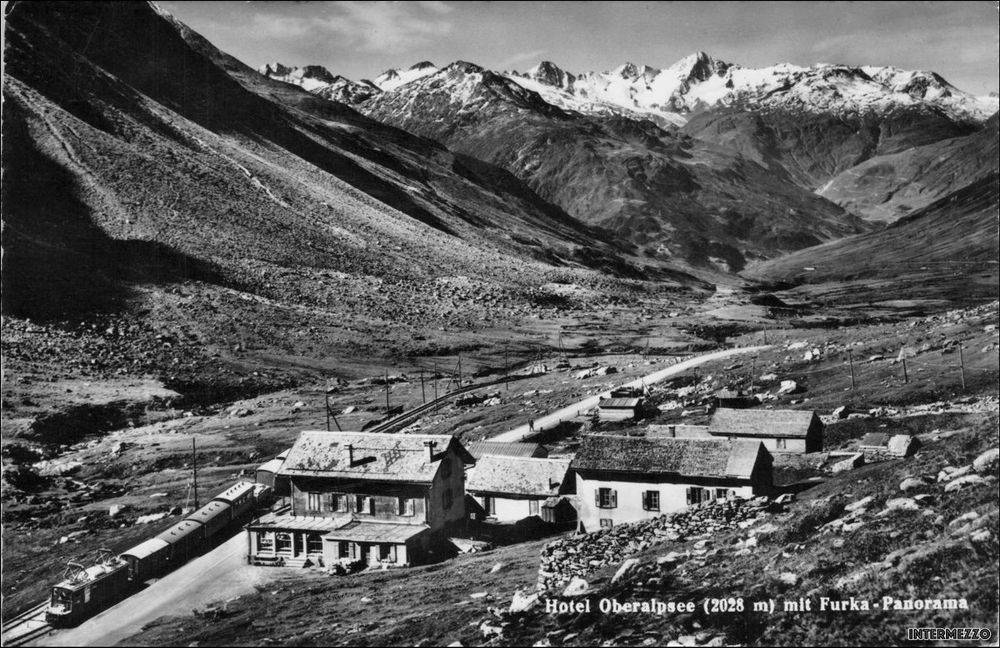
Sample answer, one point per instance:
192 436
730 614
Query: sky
958 40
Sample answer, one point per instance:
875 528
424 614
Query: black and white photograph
455 323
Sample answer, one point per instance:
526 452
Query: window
696 495
780 444
606 523
721 493
265 541
532 507
446 498
385 552
606 498
338 503
651 500
364 504
312 502
405 506
283 542
344 549
314 543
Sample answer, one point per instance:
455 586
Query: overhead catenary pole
194 470
850 358
387 391
906 376
753 371
423 394
961 360
506 368
327 412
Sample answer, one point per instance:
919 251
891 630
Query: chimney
350 454
673 431
430 450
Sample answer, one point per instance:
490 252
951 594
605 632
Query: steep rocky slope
951 245
154 164
887 187
675 196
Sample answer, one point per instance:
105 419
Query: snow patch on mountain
698 82
394 78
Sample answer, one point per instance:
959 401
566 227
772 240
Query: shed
618 409
791 431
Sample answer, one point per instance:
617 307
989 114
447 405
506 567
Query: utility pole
423 394
435 377
906 376
961 359
850 357
460 371
506 368
753 371
194 467
327 412
765 335
387 392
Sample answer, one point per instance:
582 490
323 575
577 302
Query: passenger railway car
186 539
215 516
148 559
240 497
86 590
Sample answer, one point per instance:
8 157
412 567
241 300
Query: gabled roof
763 423
517 476
377 457
480 449
665 456
619 402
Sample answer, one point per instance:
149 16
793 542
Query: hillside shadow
56 261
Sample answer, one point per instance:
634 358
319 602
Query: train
85 591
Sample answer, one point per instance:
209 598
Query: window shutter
614 498
645 500
688 493
597 497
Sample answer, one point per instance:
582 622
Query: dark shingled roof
377 457
480 449
688 457
763 423
517 476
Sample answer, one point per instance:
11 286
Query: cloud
533 56
384 27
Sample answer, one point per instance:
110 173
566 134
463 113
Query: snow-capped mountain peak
551 74
394 78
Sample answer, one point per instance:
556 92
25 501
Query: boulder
987 461
903 445
902 504
963 482
577 587
911 483
788 387
523 601
625 569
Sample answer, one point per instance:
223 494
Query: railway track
26 627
